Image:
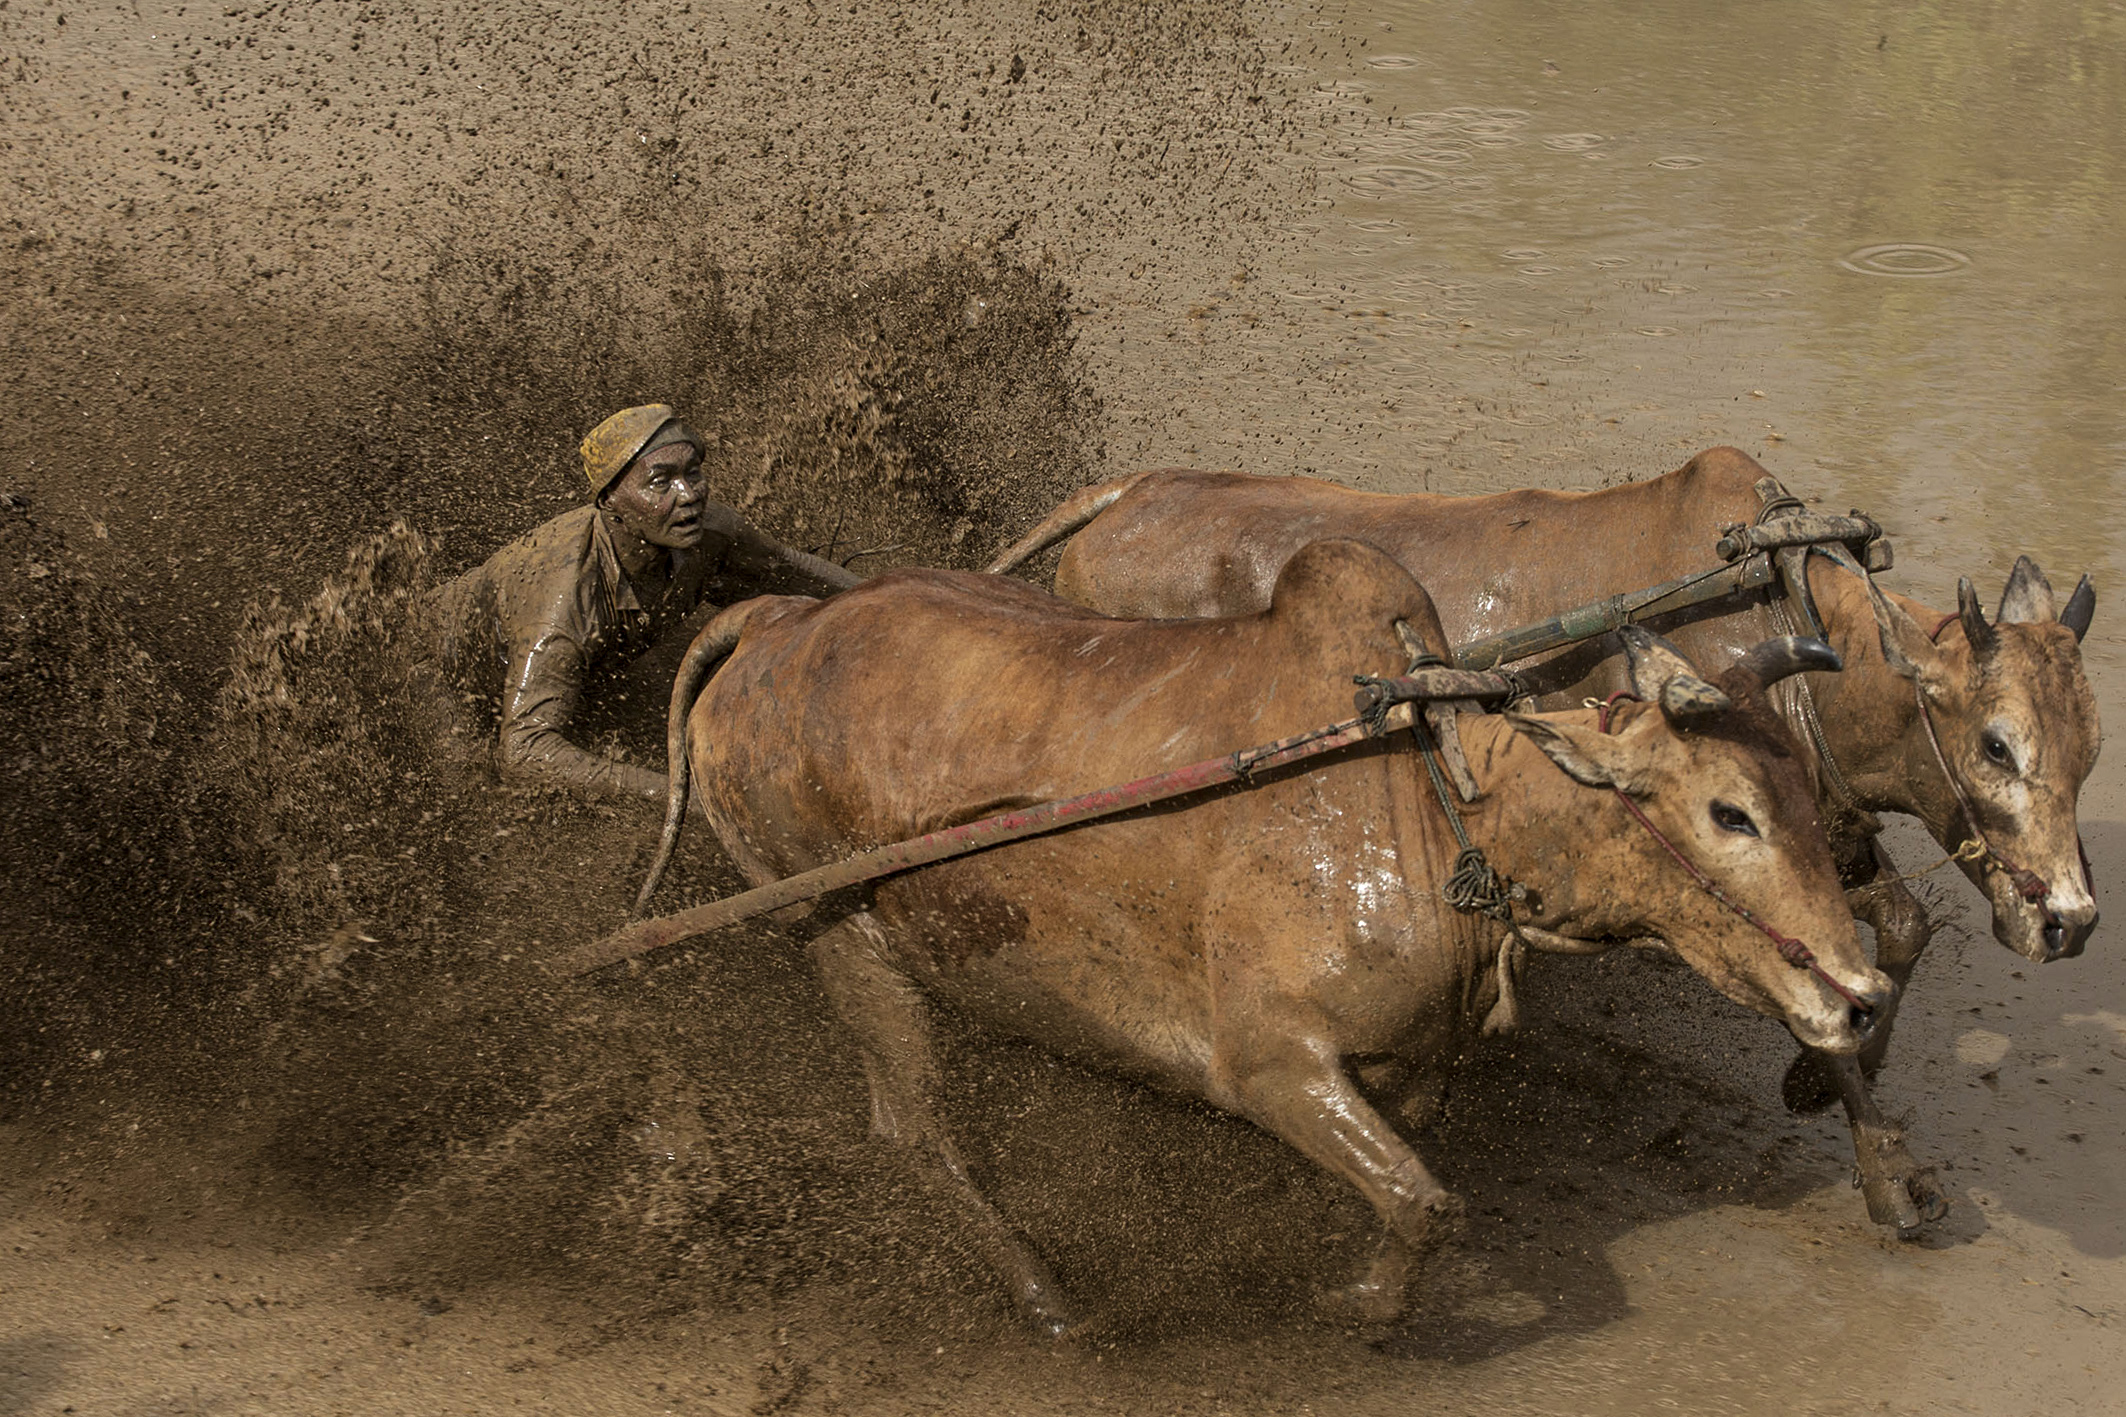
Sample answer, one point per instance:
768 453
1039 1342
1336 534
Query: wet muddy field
308 306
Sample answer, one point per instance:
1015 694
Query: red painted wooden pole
646 935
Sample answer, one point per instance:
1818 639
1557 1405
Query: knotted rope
1474 886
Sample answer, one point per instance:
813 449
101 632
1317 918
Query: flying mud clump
99 903
317 743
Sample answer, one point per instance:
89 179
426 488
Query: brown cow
2016 718
1250 946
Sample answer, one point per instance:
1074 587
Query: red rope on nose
1793 951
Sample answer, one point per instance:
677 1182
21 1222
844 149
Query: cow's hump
1345 589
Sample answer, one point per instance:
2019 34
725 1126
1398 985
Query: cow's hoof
1890 1203
1932 1202
1900 1194
1809 1086
1063 1330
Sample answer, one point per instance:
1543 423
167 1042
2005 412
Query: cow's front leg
891 1021
1902 931
1410 1097
1899 1193
1297 1088
1886 906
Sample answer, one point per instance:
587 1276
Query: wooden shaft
646 935
1599 617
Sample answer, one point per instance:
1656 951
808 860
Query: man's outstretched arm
764 566
545 690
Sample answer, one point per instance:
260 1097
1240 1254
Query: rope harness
1474 886
1793 951
1794 614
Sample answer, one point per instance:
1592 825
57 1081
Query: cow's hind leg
892 1026
1902 931
1298 1088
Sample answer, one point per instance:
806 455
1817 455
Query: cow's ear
1588 755
1652 662
1905 646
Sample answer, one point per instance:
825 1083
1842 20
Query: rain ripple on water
1678 163
1393 61
1393 181
1905 259
1573 142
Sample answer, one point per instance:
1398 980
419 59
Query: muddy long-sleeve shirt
528 627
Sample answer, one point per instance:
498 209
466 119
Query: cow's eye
1733 819
1996 750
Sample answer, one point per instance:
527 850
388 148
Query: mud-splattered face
2019 730
1734 837
659 498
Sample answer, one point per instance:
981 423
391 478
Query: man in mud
519 636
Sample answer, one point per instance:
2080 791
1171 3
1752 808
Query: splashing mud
102 864
366 1032
318 746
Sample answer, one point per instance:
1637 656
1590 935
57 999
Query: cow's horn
1686 698
2080 607
2027 598
1977 632
1774 660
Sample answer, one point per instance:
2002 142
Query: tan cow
1250 946
2015 716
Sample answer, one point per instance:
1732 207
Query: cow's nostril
1861 1018
2065 939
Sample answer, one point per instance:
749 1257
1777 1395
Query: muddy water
1875 247
1868 246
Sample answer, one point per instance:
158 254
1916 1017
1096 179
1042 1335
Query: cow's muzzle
1869 1007
2066 933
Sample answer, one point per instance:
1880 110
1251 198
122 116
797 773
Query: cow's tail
1078 509
709 650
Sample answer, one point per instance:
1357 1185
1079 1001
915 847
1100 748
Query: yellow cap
613 444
